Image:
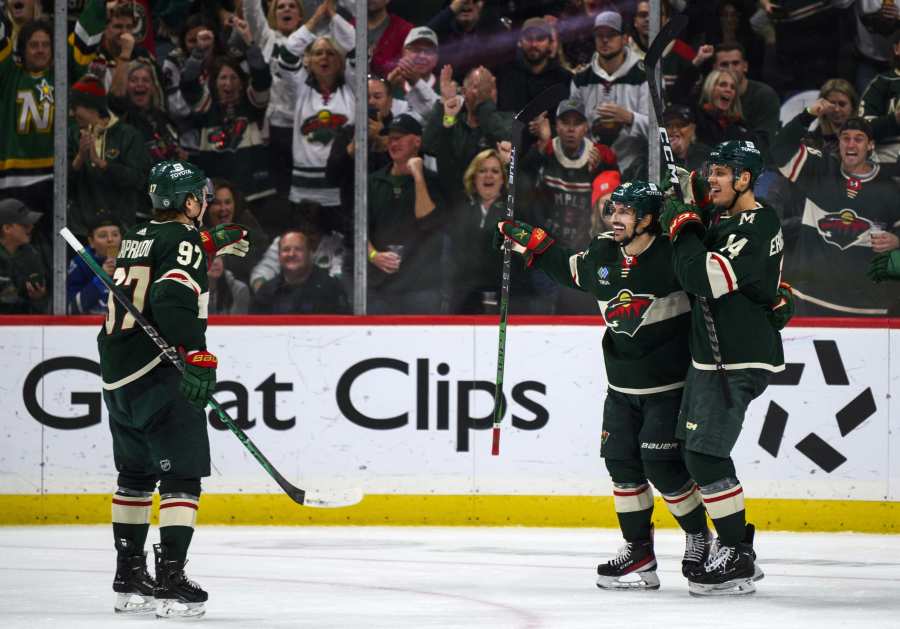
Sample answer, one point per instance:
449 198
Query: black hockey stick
667 34
306 497
544 101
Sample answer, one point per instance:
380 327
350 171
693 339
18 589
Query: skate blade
736 587
630 581
134 604
173 608
758 574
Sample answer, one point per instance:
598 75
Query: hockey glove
228 239
783 308
677 216
526 240
695 189
199 378
885 266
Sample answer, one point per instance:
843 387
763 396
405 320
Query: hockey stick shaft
544 101
171 354
651 61
504 310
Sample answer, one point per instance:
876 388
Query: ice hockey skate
176 595
633 568
728 571
132 584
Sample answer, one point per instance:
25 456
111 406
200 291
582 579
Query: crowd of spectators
260 94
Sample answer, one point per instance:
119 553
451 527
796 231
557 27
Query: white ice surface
347 577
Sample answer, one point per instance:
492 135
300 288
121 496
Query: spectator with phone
85 292
23 284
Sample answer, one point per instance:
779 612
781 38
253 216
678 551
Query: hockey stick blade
308 498
667 34
545 101
333 498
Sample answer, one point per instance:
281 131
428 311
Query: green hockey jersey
26 117
737 268
161 266
647 314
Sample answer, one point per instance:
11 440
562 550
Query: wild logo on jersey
322 126
843 229
627 312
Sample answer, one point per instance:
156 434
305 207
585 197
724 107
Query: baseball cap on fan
14 212
608 19
570 104
421 32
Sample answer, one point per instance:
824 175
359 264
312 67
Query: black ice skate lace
719 558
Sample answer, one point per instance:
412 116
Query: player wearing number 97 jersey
156 414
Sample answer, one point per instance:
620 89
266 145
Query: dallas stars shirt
26 117
828 264
737 268
161 266
647 315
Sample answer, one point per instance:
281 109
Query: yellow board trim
37 162
428 510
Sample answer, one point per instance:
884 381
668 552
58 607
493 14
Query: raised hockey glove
783 308
695 189
230 239
885 266
677 216
526 240
199 378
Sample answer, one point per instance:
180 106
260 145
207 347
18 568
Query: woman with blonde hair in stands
839 101
324 104
476 266
718 113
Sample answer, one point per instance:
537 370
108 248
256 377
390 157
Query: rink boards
401 407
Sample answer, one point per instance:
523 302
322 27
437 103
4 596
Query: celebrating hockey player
156 414
645 348
731 265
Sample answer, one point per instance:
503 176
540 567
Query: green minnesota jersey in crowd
26 115
737 267
161 266
647 314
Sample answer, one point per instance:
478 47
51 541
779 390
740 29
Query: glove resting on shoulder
526 240
199 378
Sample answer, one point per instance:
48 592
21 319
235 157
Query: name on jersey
135 248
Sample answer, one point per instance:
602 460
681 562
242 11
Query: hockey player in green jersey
156 414
645 348
731 265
